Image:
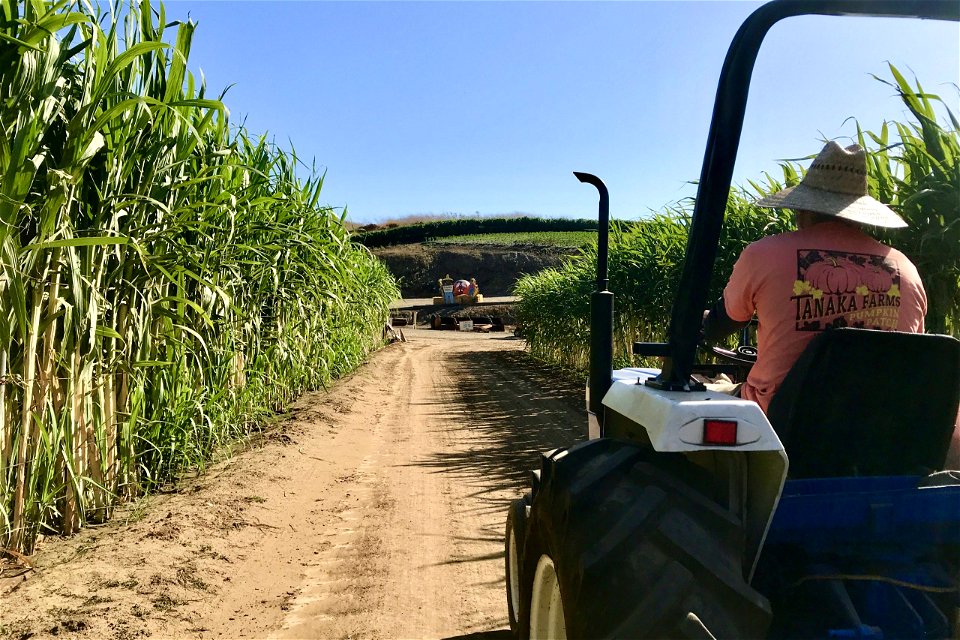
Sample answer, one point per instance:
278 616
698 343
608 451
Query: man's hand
717 325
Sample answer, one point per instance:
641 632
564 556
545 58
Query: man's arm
738 296
718 325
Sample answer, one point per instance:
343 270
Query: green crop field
570 239
434 229
167 281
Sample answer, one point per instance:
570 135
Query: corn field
916 170
167 281
645 260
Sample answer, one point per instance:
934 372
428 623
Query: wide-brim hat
836 185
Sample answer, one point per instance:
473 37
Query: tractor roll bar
720 156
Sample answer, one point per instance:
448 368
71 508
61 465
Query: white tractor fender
674 422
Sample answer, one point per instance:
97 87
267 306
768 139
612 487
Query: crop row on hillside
167 281
422 232
918 174
570 239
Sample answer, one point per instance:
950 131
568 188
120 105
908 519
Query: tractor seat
859 402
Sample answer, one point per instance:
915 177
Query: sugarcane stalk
18 537
72 498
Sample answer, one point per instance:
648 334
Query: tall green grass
645 260
167 280
917 171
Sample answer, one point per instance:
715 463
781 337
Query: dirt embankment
497 269
374 510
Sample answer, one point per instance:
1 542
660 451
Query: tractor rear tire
513 557
638 549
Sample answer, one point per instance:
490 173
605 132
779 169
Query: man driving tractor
827 274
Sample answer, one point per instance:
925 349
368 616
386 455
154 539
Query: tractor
693 514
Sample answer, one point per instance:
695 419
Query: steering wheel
744 354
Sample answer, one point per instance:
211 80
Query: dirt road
373 510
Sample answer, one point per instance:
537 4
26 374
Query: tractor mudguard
676 422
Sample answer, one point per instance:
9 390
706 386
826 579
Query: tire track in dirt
442 561
337 590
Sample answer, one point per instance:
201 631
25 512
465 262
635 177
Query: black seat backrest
862 402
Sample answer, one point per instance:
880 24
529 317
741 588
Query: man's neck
807 219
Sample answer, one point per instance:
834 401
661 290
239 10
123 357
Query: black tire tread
639 547
671 589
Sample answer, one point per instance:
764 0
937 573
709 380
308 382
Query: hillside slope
497 269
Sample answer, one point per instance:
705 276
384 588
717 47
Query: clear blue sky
464 107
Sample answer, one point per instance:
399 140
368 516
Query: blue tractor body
864 557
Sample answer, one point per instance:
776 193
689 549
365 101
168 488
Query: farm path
374 510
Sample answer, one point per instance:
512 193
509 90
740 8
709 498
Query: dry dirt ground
373 510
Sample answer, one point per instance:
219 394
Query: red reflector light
721 432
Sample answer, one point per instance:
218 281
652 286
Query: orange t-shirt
827 275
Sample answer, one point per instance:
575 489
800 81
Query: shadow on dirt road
501 634
513 409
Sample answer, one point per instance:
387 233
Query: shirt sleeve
921 297
913 296
739 296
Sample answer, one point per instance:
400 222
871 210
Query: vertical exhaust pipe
601 317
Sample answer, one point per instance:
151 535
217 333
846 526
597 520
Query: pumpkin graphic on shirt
830 275
840 289
876 277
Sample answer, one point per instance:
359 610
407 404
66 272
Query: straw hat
836 185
